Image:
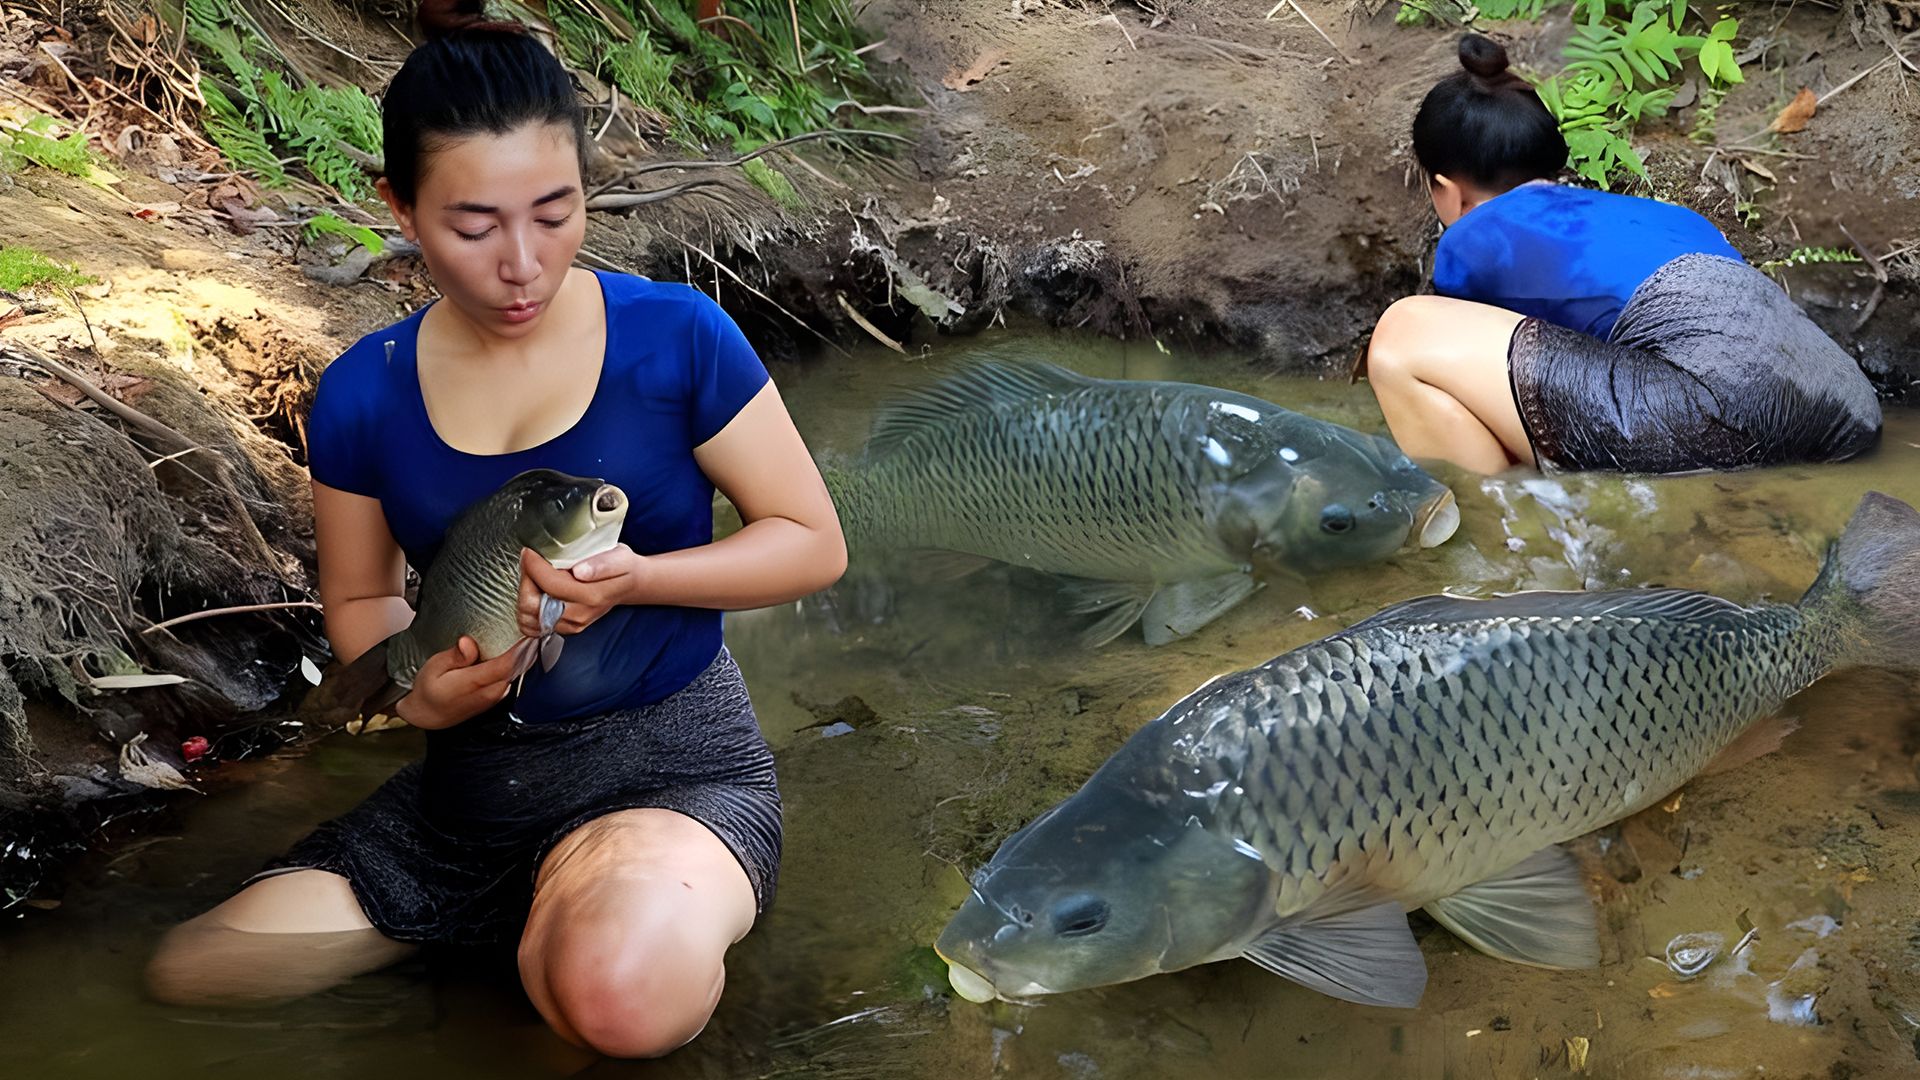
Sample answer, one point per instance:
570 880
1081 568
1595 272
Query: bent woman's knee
1396 338
631 1007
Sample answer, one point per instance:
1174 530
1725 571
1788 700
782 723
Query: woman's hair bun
1483 57
439 18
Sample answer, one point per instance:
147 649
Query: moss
24 268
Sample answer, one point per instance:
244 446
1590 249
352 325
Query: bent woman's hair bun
1483 57
439 18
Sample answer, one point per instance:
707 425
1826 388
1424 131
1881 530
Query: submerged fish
1431 756
1167 500
473 585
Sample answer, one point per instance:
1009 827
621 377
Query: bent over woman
1577 329
619 817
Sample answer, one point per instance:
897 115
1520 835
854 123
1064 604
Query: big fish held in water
1429 757
1168 501
473 586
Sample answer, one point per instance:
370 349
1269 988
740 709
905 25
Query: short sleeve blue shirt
1571 256
676 371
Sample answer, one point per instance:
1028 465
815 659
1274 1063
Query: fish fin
1179 609
1122 602
1756 740
981 383
550 647
1622 603
363 687
550 612
937 564
1365 955
1535 913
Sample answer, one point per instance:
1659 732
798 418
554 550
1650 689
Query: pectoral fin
1120 603
1178 610
1366 956
1536 913
550 612
550 647
1762 737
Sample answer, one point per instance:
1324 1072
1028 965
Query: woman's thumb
469 650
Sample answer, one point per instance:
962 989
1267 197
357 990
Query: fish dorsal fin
979 383
1365 955
1619 603
1537 913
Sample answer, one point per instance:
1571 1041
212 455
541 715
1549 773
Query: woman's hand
590 589
456 685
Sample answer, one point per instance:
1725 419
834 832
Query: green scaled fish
1429 757
473 585
1168 501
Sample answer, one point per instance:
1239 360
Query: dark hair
1485 124
470 75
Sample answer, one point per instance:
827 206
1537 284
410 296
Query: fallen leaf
1795 116
146 30
964 81
310 670
1759 170
134 682
12 315
153 211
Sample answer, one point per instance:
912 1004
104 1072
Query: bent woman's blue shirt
1571 256
676 371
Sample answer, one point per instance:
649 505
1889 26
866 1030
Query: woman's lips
519 313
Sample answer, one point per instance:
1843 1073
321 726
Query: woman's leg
632 916
1439 367
278 939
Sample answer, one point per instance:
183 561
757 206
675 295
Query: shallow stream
971 711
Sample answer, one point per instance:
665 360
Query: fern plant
36 142
254 107
1806 256
1622 70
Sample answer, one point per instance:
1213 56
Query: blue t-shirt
676 370
1571 256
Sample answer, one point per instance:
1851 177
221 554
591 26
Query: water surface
972 711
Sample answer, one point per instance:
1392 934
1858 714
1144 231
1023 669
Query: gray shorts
446 851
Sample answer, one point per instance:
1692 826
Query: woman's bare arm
362 571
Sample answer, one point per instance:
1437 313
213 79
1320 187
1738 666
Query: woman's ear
1449 198
402 213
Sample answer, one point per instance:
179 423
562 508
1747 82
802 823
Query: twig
1879 278
240 609
625 200
861 321
799 57
101 398
92 101
744 158
1297 10
74 298
612 111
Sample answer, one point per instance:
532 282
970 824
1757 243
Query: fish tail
361 689
1870 584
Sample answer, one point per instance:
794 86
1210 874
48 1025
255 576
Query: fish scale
1311 759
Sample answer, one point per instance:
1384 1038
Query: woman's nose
519 265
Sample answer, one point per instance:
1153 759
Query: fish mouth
608 512
967 982
1437 519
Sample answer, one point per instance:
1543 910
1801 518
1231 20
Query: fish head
1104 888
564 518
1340 500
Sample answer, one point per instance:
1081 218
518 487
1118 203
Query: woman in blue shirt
618 818
1577 329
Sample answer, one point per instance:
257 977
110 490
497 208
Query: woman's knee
1398 338
629 1004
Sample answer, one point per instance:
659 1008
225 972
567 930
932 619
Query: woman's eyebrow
479 208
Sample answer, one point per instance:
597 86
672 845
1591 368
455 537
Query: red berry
195 748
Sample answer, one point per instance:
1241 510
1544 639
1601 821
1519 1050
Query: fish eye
1079 915
1336 519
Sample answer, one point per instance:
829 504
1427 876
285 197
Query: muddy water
970 713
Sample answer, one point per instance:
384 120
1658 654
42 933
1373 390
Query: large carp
1431 756
472 587
1169 501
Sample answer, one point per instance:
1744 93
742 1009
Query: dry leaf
146 30
153 211
1795 116
1759 170
982 67
134 682
13 314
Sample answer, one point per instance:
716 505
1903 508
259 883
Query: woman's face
499 219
